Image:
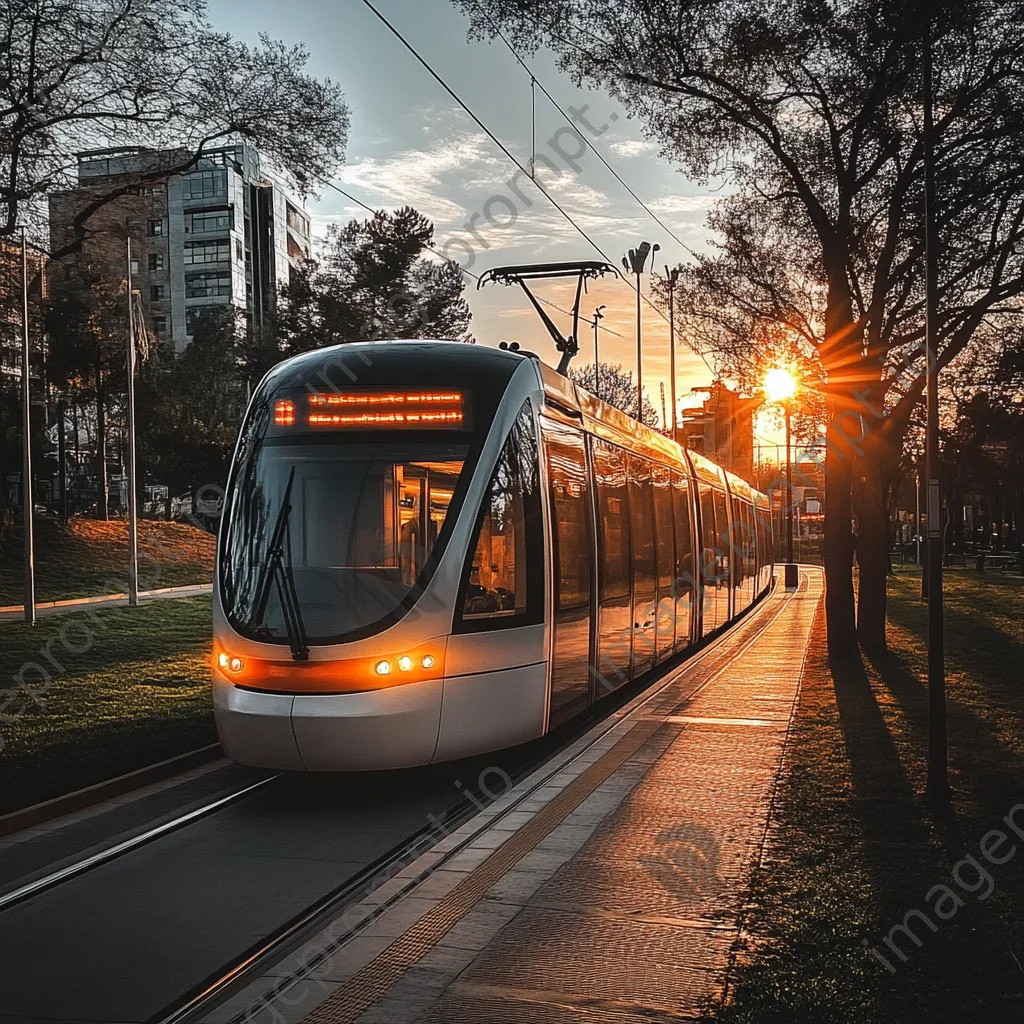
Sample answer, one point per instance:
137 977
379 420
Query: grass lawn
138 694
852 849
86 557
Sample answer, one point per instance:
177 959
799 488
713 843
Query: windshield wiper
278 568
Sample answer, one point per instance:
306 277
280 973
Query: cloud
431 179
686 205
630 148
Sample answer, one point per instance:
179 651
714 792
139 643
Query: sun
779 384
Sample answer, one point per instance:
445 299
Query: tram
431 550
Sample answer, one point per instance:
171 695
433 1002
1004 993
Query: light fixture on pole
598 317
672 277
28 500
633 263
133 512
780 386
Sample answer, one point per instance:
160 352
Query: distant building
11 304
723 429
224 233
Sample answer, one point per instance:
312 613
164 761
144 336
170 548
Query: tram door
570 551
614 576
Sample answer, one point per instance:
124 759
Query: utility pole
26 469
598 317
788 408
672 276
634 263
937 787
133 512
62 455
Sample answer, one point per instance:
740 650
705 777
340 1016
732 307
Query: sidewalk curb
14 612
82 798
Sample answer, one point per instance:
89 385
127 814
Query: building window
208 283
156 261
155 227
209 220
204 184
157 293
135 266
195 314
160 325
238 249
215 251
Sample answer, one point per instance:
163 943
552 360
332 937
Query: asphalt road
126 939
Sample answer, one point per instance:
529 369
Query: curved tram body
432 550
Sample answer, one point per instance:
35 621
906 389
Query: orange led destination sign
410 410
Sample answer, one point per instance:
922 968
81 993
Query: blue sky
411 143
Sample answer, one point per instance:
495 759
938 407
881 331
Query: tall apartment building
224 233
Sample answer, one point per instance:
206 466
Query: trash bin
980 561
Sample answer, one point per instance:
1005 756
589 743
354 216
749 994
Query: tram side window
723 539
685 568
504 578
613 513
709 568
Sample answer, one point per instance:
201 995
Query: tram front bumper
396 727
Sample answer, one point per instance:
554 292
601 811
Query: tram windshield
366 525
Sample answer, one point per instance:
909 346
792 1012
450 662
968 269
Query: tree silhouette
616 386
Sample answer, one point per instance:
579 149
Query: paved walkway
606 887
16 612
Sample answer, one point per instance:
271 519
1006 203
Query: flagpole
133 512
26 399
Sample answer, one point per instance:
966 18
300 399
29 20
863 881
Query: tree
85 320
374 280
84 74
616 387
815 110
190 406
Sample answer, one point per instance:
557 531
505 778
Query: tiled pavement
605 890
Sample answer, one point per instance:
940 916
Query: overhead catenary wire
455 263
537 83
515 160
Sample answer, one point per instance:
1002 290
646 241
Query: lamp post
133 512
672 276
780 386
598 317
633 263
26 398
787 407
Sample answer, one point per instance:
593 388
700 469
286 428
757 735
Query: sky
411 143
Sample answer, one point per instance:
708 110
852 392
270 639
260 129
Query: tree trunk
837 556
102 503
839 352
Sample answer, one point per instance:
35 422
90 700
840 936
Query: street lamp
598 317
780 386
633 263
672 277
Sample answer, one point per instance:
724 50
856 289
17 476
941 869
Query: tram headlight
229 663
405 663
427 661
383 668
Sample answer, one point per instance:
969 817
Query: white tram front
431 550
